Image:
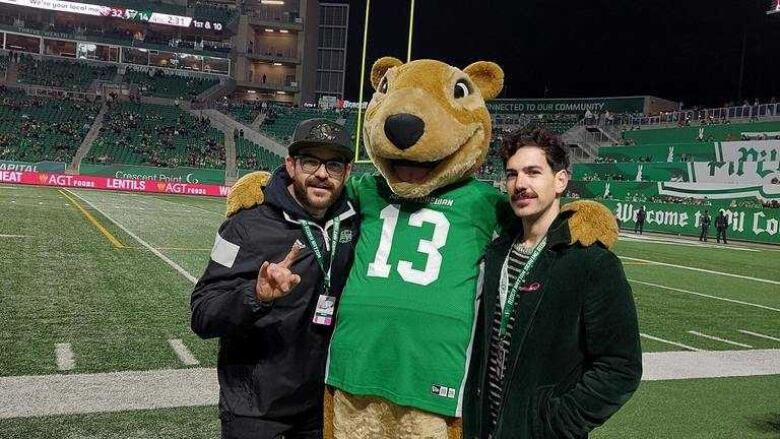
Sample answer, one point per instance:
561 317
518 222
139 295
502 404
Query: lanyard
315 248
509 307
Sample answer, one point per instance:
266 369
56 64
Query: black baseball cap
322 133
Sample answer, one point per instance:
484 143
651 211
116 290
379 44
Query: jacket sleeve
613 357
223 303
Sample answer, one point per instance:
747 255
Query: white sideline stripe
182 352
680 290
712 337
175 266
684 243
680 365
756 334
48 395
673 343
719 273
107 392
64 355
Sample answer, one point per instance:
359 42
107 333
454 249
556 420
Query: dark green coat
575 357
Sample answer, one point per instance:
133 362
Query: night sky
683 50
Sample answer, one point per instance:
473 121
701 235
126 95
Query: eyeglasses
310 165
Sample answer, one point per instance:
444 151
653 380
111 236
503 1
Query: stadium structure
164 105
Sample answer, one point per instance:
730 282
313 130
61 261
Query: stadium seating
168 85
157 135
3 64
245 112
251 156
64 74
711 133
33 129
281 121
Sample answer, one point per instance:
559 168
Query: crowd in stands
63 74
34 129
156 135
168 85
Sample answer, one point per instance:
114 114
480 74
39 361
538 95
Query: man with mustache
270 289
557 347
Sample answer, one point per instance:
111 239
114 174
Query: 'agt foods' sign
117 184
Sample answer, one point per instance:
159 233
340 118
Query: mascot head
427 125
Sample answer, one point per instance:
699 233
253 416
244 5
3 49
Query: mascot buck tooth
398 357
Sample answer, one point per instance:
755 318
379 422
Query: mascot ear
247 192
381 66
488 76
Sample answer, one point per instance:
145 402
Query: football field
95 288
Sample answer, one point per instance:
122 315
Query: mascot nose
404 129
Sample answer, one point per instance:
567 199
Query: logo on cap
324 132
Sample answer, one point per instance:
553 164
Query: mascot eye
382 85
462 89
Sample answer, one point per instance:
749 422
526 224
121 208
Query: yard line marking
64 355
15 236
111 238
182 352
680 290
175 266
756 334
719 273
673 343
61 394
684 243
712 337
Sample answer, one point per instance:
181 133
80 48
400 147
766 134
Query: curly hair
551 144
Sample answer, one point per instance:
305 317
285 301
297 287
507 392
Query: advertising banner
571 105
115 184
174 175
10 165
759 225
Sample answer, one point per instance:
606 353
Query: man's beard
302 195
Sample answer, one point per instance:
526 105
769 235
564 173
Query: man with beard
269 291
557 347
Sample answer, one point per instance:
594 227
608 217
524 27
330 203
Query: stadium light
277 63
272 2
269 30
284 31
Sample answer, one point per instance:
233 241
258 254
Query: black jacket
271 357
575 357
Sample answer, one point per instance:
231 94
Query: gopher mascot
400 350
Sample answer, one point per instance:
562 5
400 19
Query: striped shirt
499 347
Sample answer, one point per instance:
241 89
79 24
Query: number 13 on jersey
441 228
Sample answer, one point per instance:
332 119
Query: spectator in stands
273 326
705 226
721 224
641 215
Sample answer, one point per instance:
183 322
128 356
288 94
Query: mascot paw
590 222
247 192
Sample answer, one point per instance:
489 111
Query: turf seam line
64 355
174 265
719 273
673 343
680 290
712 337
111 238
182 352
756 334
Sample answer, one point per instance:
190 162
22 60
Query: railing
687 116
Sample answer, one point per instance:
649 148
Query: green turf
722 408
62 281
179 423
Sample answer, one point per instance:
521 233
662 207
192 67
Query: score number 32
380 267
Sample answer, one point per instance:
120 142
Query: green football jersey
406 317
